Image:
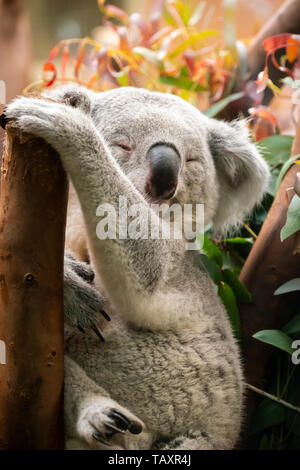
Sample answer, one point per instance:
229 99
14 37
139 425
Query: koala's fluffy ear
242 173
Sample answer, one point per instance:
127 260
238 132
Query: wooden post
269 264
33 204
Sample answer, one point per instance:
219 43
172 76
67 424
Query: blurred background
30 28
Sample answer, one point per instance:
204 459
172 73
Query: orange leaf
266 115
263 129
292 49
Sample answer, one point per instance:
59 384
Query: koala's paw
81 268
61 126
103 423
82 302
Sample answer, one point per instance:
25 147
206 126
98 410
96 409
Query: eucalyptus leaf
212 251
293 326
240 240
289 286
276 338
211 267
216 108
181 82
238 288
284 170
293 219
276 149
267 414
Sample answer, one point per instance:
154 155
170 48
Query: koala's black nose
164 168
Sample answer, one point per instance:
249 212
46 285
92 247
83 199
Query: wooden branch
270 264
32 219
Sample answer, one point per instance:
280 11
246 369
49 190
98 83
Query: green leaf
293 219
284 170
267 414
211 267
181 82
239 240
289 286
228 299
216 108
212 251
293 326
238 288
276 338
276 149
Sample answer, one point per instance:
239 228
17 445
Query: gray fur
169 362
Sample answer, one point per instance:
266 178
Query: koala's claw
80 328
119 424
97 331
105 315
123 424
104 421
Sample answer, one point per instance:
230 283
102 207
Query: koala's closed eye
125 148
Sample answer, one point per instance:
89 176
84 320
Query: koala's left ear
242 173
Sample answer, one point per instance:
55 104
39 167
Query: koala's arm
136 274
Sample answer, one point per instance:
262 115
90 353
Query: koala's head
172 152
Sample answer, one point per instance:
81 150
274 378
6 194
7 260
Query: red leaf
53 53
64 61
49 73
80 56
276 42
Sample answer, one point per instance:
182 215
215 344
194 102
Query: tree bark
33 205
269 264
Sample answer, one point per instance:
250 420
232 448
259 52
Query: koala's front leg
130 269
91 416
82 302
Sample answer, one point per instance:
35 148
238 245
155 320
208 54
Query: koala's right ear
242 173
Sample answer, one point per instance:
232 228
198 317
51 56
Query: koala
169 373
